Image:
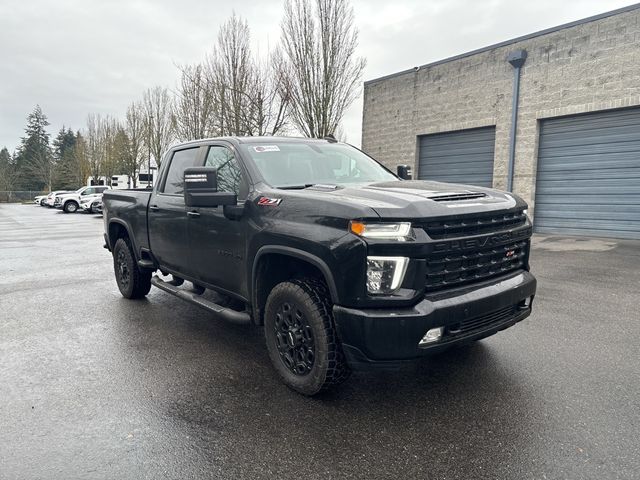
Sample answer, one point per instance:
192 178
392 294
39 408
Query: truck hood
417 198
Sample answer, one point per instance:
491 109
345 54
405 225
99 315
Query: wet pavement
96 386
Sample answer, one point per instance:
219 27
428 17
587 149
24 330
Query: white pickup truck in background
70 202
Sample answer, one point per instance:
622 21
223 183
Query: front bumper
390 337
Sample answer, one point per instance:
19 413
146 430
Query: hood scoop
456 197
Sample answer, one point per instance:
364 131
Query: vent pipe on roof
516 59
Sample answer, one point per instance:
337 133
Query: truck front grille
454 269
476 225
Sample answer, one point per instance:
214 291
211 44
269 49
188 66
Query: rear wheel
301 338
133 281
70 207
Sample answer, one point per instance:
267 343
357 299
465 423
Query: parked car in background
52 196
70 202
40 200
93 204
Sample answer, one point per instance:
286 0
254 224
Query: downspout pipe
516 59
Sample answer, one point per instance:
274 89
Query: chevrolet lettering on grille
480 242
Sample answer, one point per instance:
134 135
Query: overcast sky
75 57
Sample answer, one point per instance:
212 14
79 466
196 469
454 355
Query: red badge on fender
269 202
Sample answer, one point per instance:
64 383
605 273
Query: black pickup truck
346 265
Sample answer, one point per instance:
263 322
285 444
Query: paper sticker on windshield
266 148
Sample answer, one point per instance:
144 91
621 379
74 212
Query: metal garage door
589 175
465 156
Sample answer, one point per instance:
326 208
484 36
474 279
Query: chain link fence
12 196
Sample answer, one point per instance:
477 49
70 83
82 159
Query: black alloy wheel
122 269
133 281
294 339
301 338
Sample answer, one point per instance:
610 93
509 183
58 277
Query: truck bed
129 207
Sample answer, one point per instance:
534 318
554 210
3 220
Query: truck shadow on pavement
212 380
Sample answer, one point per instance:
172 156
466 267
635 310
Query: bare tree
230 69
194 107
268 108
80 169
158 119
135 133
93 146
101 154
321 71
111 159
246 91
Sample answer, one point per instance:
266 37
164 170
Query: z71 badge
269 202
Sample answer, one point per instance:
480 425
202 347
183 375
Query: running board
227 314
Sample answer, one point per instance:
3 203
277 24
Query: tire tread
140 279
315 295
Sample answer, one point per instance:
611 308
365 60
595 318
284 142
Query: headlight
390 231
385 274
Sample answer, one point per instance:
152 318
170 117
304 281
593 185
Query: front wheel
70 207
133 281
301 338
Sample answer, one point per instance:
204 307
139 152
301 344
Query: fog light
433 335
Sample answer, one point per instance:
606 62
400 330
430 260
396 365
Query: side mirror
404 172
201 188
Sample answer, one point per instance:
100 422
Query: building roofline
539 33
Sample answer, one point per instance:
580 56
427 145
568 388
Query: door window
230 178
174 182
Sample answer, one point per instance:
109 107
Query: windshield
296 165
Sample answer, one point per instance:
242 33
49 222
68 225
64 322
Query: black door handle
154 208
193 214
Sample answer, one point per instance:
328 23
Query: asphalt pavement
99 387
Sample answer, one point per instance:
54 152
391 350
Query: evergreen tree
34 159
64 174
6 170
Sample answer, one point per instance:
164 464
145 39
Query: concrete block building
574 93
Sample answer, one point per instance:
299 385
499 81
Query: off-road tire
70 207
311 298
133 281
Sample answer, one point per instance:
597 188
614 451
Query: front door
168 236
217 243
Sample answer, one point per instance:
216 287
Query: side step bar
227 314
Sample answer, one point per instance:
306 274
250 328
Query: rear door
217 243
167 216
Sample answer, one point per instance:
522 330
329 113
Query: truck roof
264 139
